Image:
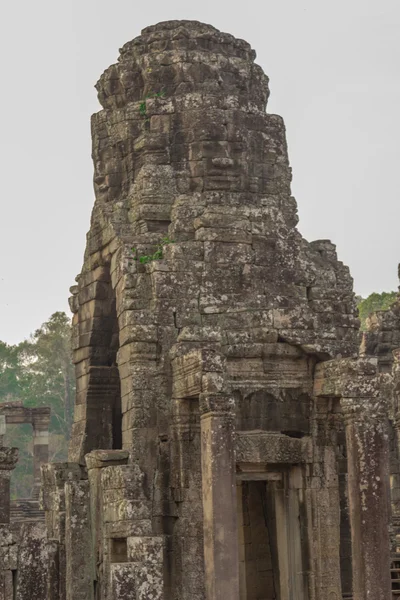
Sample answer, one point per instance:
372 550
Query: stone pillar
40 424
363 393
8 461
53 570
32 574
323 504
95 462
54 477
221 552
195 371
369 497
123 581
78 542
187 569
126 512
147 555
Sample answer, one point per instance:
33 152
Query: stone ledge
263 448
106 458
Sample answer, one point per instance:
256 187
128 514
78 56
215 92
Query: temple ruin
234 436
15 413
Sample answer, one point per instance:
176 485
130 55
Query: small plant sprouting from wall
142 107
158 254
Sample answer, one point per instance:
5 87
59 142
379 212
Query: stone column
40 424
53 570
8 461
32 577
369 498
54 477
78 541
96 461
187 570
221 552
8 558
323 503
363 392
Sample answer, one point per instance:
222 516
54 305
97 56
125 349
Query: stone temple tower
224 427
201 364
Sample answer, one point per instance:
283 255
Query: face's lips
223 163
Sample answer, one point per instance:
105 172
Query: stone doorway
272 548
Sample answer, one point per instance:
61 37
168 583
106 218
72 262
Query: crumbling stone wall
25 551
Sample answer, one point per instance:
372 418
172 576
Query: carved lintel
271 448
220 404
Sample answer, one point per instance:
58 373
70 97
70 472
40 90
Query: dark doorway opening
273 549
258 558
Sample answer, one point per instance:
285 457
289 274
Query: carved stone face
204 151
108 167
223 165
200 130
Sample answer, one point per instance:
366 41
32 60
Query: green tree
373 303
48 375
39 372
9 372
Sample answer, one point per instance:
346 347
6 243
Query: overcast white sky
334 77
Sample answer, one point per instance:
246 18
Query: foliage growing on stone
373 303
157 255
142 107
